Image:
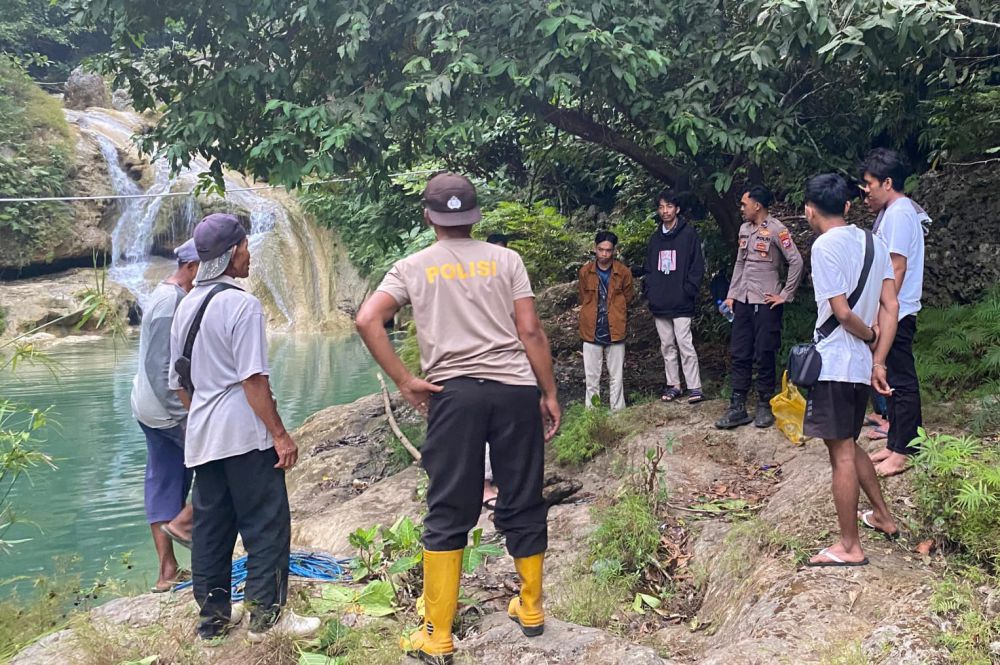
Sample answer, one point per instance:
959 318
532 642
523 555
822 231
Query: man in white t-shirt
835 408
900 224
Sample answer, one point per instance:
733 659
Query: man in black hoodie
673 271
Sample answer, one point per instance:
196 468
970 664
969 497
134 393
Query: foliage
380 222
393 555
3 320
697 93
40 35
551 254
585 433
36 160
626 539
409 350
19 431
971 631
963 125
957 490
587 600
371 644
958 349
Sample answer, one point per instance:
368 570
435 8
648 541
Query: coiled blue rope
307 565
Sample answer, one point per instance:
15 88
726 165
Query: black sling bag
804 361
183 364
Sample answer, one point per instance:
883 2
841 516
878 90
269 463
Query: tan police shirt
761 251
463 294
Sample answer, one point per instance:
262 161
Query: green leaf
548 26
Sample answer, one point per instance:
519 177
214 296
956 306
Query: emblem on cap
454 203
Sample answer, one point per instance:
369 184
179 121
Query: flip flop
834 561
863 516
695 396
877 434
183 542
490 504
183 576
670 394
156 589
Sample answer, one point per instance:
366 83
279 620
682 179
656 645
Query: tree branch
583 126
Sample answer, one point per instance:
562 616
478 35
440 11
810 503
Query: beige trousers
675 334
594 357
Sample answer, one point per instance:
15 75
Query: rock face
85 89
963 242
30 303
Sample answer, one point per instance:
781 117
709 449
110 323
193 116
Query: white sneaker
289 623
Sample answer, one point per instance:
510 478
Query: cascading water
295 270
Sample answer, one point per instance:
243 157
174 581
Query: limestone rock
86 89
121 100
500 641
60 647
30 303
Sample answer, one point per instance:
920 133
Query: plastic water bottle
725 311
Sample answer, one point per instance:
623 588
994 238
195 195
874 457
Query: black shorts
836 410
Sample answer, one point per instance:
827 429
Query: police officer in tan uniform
757 300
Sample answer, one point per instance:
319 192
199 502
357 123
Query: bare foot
856 555
881 523
183 523
877 420
879 455
893 465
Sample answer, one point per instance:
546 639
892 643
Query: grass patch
372 644
626 539
970 632
589 601
113 644
585 433
848 653
399 456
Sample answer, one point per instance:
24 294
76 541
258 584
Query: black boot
737 414
764 416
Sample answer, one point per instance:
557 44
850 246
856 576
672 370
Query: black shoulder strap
196 323
831 323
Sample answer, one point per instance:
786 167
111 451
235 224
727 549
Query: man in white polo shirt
236 442
900 224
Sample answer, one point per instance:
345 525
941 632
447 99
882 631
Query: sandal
671 393
864 517
695 396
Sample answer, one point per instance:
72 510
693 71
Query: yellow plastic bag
789 408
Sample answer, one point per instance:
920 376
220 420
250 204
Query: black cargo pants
461 419
242 494
756 339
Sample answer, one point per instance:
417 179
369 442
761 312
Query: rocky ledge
743 596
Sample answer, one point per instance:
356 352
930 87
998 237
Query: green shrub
36 161
551 254
626 539
957 489
585 433
958 349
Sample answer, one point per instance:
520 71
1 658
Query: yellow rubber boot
432 643
526 608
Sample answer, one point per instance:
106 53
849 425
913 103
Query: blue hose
307 565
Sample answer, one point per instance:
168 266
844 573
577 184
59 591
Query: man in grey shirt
235 441
161 417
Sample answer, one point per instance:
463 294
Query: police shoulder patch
786 239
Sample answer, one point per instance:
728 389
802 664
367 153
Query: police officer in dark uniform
757 301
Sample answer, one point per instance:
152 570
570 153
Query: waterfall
296 269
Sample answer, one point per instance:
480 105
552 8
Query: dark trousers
243 494
904 404
756 338
462 418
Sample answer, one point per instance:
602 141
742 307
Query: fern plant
958 349
958 493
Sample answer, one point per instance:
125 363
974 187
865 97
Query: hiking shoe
289 623
765 418
736 415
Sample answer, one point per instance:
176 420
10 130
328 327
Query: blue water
86 516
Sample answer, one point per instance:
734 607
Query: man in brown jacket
605 287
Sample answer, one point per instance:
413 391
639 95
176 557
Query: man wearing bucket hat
488 378
161 417
236 442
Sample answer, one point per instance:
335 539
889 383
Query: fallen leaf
925 547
